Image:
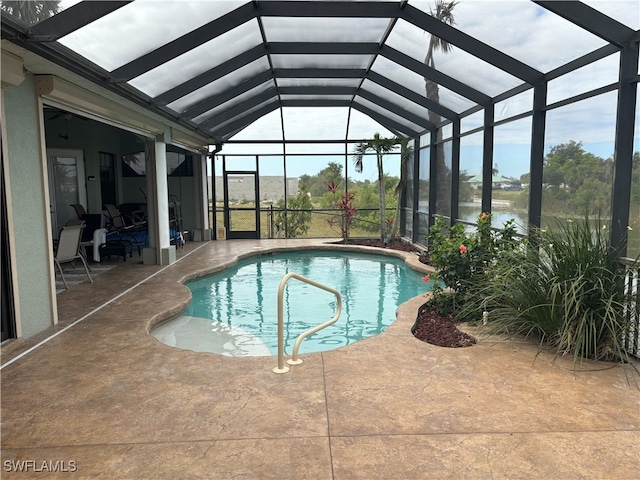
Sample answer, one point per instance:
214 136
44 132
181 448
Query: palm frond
378 144
359 151
29 11
443 12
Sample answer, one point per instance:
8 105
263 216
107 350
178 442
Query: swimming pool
235 312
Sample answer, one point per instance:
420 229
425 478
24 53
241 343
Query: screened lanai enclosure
526 109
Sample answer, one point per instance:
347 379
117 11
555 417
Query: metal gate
241 204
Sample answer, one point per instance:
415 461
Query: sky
546 43
519 28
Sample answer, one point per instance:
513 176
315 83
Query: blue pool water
235 312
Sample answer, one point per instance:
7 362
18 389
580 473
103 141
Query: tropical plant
30 11
347 211
297 216
463 259
444 13
380 146
568 292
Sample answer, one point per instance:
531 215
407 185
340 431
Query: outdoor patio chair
91 223
126 228
68 249
80 210
117 222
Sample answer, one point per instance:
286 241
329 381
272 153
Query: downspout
212 156
213 224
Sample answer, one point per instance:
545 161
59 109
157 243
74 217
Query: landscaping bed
430 326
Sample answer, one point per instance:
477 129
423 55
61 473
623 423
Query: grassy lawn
500 194
319 226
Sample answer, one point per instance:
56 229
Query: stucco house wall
27 101
28 209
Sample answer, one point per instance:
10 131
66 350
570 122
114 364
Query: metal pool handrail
281 368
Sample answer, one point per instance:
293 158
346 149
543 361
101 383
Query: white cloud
525 31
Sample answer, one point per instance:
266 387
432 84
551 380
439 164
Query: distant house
497 181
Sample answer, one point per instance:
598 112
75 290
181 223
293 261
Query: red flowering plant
461 259
347 211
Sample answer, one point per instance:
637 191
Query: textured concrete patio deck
109 398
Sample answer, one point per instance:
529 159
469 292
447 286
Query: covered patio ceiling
218 66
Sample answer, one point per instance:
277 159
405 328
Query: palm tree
381 146
444 13
406 156
30 11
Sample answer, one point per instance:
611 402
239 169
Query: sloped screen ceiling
219 66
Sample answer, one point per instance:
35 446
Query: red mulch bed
430 326
436 329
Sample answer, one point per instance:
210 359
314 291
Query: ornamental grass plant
565 288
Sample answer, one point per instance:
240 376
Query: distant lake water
501 214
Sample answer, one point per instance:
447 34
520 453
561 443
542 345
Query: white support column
160 250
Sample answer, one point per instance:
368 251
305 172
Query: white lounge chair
68 249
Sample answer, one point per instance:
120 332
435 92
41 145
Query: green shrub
567 292
298 215
461 260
